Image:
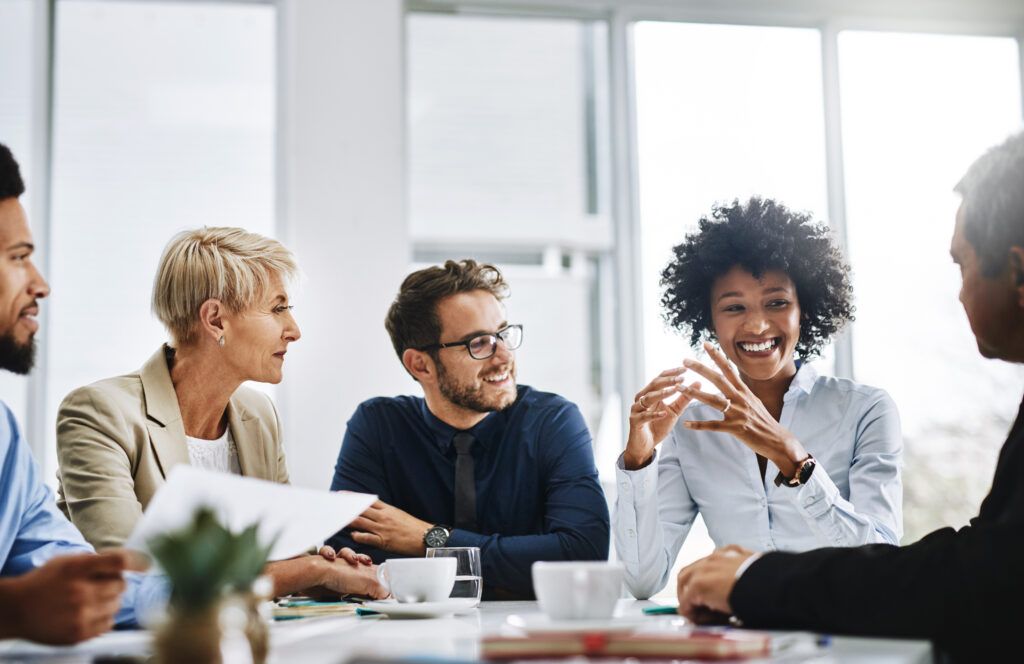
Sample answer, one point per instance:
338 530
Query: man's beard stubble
17 358
468 397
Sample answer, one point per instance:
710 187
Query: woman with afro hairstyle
774 456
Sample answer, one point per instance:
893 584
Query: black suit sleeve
961 589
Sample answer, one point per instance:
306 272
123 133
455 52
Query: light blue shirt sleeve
873 512
653 515
33 530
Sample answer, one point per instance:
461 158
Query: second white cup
578 590
418 579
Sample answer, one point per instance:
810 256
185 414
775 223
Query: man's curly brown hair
759 235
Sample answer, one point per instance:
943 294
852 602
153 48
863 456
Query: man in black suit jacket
962 589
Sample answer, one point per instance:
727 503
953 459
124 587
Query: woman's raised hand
651 418
743 414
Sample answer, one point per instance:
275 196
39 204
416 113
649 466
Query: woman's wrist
791 455
631 461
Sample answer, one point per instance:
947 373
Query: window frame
1002 18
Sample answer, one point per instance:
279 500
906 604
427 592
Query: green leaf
204 560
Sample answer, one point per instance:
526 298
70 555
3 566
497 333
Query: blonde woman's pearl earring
221 341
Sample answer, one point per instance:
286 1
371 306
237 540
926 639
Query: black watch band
437 535
803 473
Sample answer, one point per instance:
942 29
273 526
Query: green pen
660 611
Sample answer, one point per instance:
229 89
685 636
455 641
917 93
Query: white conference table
333 640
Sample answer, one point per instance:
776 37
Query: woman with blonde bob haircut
221 293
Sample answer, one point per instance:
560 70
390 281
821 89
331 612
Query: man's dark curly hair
759 235
11 184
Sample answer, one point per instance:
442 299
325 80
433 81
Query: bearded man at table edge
53 587
959 588
530 488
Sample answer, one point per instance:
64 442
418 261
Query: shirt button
625 485
809 501
764 503
647 483
631 533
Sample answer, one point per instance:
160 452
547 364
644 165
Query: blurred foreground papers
298 518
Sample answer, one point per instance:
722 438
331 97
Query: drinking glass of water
468 580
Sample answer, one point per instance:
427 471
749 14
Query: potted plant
207 563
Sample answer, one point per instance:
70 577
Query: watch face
806 469
436 536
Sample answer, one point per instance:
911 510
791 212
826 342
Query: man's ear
419 364
1017 272
211 319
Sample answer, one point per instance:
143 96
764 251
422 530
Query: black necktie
465 482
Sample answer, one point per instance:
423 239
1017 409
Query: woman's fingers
350 556
679 405
666 378
724 364
714 400
648 415
717 379
648 400
706 425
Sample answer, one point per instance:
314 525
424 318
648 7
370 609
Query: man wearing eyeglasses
477 461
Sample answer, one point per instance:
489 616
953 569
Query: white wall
342 210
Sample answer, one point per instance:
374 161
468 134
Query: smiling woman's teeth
754 348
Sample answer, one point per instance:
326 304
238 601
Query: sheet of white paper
298 518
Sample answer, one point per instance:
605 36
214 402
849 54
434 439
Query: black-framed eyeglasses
485 345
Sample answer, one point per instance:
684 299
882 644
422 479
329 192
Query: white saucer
538 623
447 607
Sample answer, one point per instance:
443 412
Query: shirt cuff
817 496
640 484
744 565
466 538
144 601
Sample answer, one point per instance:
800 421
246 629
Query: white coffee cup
577 590
418 579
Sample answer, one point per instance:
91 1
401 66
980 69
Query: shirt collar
443 433
803 381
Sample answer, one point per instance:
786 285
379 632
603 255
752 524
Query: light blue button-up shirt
33 530
854 495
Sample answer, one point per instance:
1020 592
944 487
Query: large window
917 110
150 137
507 164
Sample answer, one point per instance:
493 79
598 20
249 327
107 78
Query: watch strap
803 473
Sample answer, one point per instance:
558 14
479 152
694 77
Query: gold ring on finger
728 403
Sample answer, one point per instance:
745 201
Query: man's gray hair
993 204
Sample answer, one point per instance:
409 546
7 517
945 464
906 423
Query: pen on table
660 611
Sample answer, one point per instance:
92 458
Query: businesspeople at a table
222 294
775 457
478 460
53 587
959 588
771 454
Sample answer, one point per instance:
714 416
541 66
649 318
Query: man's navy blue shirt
538 496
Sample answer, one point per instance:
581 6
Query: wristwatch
436 536
803 473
